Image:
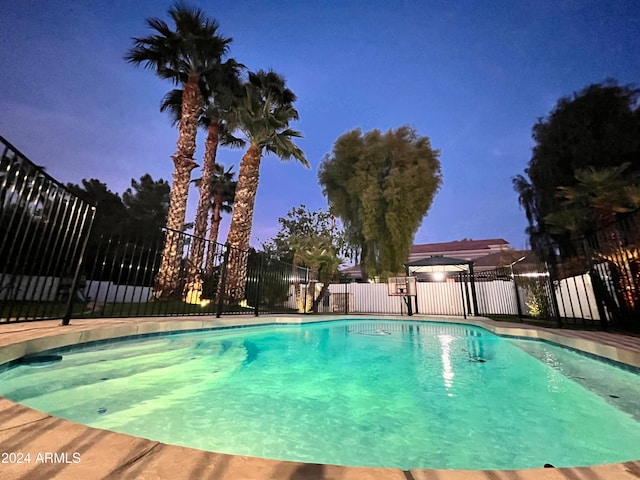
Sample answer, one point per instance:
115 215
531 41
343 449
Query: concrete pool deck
61 449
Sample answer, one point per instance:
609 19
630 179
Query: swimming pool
353 393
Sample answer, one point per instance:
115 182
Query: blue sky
473 76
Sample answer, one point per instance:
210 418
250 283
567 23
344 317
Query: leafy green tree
308 239
299 224
597 128
185 56
381 185
263 116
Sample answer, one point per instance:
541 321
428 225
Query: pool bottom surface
367 393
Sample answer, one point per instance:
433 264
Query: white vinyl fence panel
29 288
575 295
366 298
47 289
576 298
440 298
106 292
496 297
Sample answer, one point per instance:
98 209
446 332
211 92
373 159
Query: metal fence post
552 293
515 288
76 275
306 290
596 284
460 280
474 297
259 284
223 279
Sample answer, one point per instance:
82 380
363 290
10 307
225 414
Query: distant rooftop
459 249
460 245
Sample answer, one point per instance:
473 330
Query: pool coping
106 454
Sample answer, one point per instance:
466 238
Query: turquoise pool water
362 392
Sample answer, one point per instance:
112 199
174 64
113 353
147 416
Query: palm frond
172 104
194 46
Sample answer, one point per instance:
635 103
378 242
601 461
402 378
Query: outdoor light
517 261
438 276
514 262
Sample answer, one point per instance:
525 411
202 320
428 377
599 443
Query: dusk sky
473 76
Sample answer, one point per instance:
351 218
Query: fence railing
120 275
525 293
119 279
51 267
44 228
613 258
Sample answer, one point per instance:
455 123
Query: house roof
352 269
462 250
437 260
437 263
504 258
458 245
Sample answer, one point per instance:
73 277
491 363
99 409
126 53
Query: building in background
486 254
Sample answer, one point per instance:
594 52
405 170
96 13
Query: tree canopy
308 238
381 185
142 210
188 55
110 211
264 117
147 202
593 131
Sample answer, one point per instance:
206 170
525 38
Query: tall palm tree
223 191
263 116
220 93
185 56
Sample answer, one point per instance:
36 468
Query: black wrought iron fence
45 236
43 233
121 275
533 291
613 261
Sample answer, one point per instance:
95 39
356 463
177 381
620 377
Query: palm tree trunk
168 280
241 224
202 212
216 218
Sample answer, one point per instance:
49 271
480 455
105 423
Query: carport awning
438 264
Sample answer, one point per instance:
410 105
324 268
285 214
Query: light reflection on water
447 369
